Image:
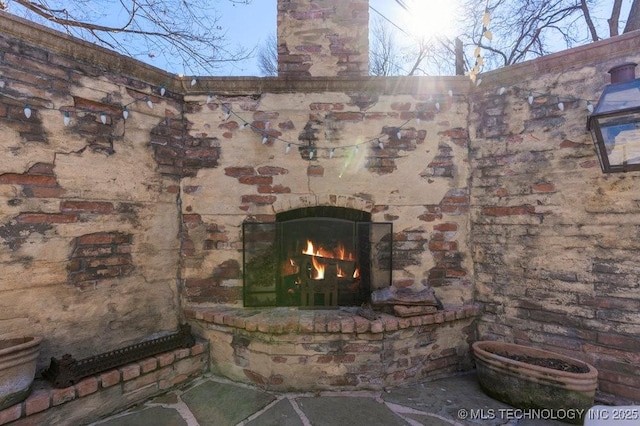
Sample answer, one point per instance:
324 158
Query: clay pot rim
482 348
22 343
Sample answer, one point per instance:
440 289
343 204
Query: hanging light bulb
450 93
227 115
380 144
480 61
486 18
478 81
399 135
27 111
560 105
103 118
332 152
501 91
209 99
355 149
244 126
125 112
287 149
163 90
438 106
487 33
149 103
265 139
530 98
589 107
476 51
311 154
194 81
267 125
67 118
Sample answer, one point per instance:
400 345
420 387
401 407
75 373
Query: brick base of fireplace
288 349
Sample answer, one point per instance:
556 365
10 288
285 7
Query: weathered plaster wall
88 227
418 180
555 242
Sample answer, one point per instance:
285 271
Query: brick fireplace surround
114 232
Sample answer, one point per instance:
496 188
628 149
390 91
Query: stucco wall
417 180
88 227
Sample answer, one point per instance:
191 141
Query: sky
250 26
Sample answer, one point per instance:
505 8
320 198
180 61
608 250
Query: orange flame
340 252
319 269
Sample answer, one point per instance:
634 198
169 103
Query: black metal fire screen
315 262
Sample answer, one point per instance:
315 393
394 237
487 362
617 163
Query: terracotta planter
524 385
17 368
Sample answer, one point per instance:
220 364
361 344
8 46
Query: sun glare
431 18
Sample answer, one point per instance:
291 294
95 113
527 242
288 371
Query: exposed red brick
87 386
60 396
110 378
315 170
239 171
256 180
508 211
165 359
275 189
543 187
20 179
400 106
446 227
130 371
47 218
86 206
259 199
272 171
12 413
38 401
348 116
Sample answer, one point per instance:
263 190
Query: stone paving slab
331 411
212 401
221 404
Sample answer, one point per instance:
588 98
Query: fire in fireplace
317 257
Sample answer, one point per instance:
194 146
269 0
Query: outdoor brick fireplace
316 257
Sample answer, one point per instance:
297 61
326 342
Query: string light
311 154
560 105
287 149
194 81
66 118
125 112
163 90
149 103
27 111
438 106
103 118
501 91
590 107
530 98
332 152
265 139
380 144
209 99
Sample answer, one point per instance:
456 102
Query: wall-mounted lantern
615 122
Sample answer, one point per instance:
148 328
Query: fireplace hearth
317 257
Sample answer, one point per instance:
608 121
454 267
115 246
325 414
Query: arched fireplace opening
316 257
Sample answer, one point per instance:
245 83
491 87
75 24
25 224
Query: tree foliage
175 34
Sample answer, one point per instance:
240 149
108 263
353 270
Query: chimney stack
323 38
